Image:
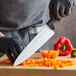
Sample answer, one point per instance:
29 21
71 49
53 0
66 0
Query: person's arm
60 8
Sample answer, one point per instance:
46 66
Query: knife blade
40 39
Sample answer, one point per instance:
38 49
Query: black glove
10 46
60 8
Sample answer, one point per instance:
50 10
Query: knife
40 39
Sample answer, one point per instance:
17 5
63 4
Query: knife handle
50 23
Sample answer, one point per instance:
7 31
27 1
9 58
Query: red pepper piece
64 46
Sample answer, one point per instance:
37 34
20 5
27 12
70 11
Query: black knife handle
50 23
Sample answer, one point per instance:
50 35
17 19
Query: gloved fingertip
67 14
68 11
58 19
62 15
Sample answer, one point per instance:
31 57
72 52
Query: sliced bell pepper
49 53
64 46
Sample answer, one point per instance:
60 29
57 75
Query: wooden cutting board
9 70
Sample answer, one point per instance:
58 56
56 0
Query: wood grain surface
10 70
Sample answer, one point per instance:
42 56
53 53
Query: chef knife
40 39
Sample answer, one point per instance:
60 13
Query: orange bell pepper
49 53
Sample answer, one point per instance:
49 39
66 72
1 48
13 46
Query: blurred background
66 27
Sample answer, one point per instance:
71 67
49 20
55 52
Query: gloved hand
10 46
60 8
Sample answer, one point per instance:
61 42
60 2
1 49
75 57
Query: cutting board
7 69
